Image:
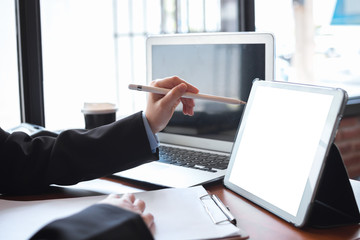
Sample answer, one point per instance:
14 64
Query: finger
129 196
169 82
165 83
173 96
188 106
188 110
139 204
148 219
189 102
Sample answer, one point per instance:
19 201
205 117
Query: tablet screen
281 134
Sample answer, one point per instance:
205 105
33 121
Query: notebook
223 64
280 152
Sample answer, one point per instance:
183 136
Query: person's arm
115 217
99 221
30 165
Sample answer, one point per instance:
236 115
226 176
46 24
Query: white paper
178 213
19 220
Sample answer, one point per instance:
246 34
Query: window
314 42
78 58
9 83
92 49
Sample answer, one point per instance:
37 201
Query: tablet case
335 203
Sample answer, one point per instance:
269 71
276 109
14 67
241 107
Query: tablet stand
334 204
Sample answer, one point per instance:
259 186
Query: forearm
100 221
102 151
31 164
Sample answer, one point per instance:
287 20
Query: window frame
246 11
30 61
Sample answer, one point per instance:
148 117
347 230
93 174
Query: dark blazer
30 165
97 222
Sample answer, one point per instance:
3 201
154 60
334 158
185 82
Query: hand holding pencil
167 93
161 107
164 91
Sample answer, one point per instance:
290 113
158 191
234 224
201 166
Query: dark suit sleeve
29 165
100 221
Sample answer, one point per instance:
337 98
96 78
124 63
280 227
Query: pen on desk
224 209
186 95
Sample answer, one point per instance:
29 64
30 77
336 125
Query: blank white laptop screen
282 136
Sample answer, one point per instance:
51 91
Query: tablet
281 146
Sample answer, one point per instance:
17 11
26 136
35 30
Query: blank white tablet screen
278 145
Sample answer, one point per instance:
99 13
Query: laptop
280 153
222 64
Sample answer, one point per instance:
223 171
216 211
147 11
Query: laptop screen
217 69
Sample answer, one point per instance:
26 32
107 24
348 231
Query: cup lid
98 108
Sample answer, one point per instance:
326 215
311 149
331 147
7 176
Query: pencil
164 91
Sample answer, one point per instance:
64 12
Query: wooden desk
261 224
257 222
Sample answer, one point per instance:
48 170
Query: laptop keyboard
193 159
